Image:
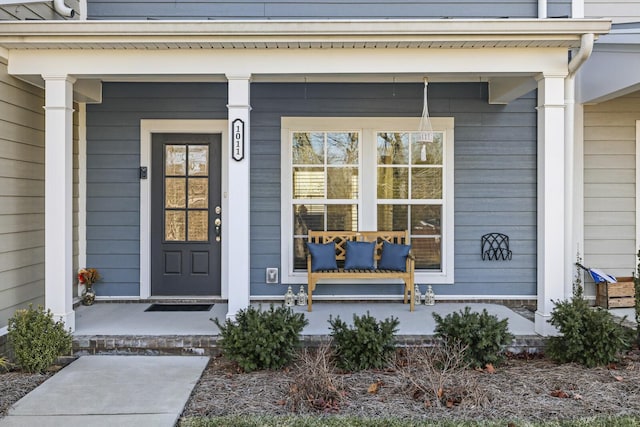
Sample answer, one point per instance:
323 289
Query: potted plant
87 277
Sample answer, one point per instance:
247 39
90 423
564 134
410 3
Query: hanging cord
426 130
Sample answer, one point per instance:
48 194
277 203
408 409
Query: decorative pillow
323 256
394 257
359 256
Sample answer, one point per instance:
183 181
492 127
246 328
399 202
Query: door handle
217 222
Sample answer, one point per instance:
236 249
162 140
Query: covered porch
127 328
72 61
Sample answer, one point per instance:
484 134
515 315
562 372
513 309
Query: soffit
309 34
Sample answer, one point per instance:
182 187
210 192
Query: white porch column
551 193
58 197
237 217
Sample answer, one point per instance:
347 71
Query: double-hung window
368 174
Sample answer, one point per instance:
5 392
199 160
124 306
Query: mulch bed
15 385
532 390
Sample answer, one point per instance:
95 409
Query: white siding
620 10
609 184
21 195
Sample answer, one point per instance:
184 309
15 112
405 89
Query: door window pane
199 226
186 187
175 160
198 193
175 193
198 160
175 226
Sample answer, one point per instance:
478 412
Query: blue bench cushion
359 256
394 257
323 256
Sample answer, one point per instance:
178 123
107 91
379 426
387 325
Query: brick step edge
206 345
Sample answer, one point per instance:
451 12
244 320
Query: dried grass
518 390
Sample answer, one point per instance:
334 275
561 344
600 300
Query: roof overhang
510 54
279 34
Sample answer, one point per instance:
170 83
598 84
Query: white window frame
367 127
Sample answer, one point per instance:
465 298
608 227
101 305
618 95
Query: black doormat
179 307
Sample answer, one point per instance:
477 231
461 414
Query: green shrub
36 339
261 339
4 364
483 335
367 345
590 336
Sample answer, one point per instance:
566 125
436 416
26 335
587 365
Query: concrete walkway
111 391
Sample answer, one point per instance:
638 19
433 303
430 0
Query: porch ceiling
308 34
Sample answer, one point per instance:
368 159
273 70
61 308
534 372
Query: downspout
63 9
586 47
542 9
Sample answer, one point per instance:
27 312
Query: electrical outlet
272 275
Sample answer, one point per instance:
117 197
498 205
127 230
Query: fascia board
78 32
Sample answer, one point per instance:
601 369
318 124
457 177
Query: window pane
198 226
198 160
299 253
308 183
342 148
393 217
308 148
174 196
199 193
393 148
342 183
174 226
175 160
429 153
342 217
427 252
425 220
426 183
307 217
393 183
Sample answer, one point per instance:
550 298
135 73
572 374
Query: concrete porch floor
131 318
125 328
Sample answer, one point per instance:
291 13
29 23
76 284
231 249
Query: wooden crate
616 295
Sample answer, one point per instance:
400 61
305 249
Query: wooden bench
340 238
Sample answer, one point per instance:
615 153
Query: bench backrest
340 238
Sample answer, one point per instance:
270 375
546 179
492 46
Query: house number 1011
237 140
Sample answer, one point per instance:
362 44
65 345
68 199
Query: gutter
586 47
63 9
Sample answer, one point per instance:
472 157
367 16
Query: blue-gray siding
113 158
495 172
325 9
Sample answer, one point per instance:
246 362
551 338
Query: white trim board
147 128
